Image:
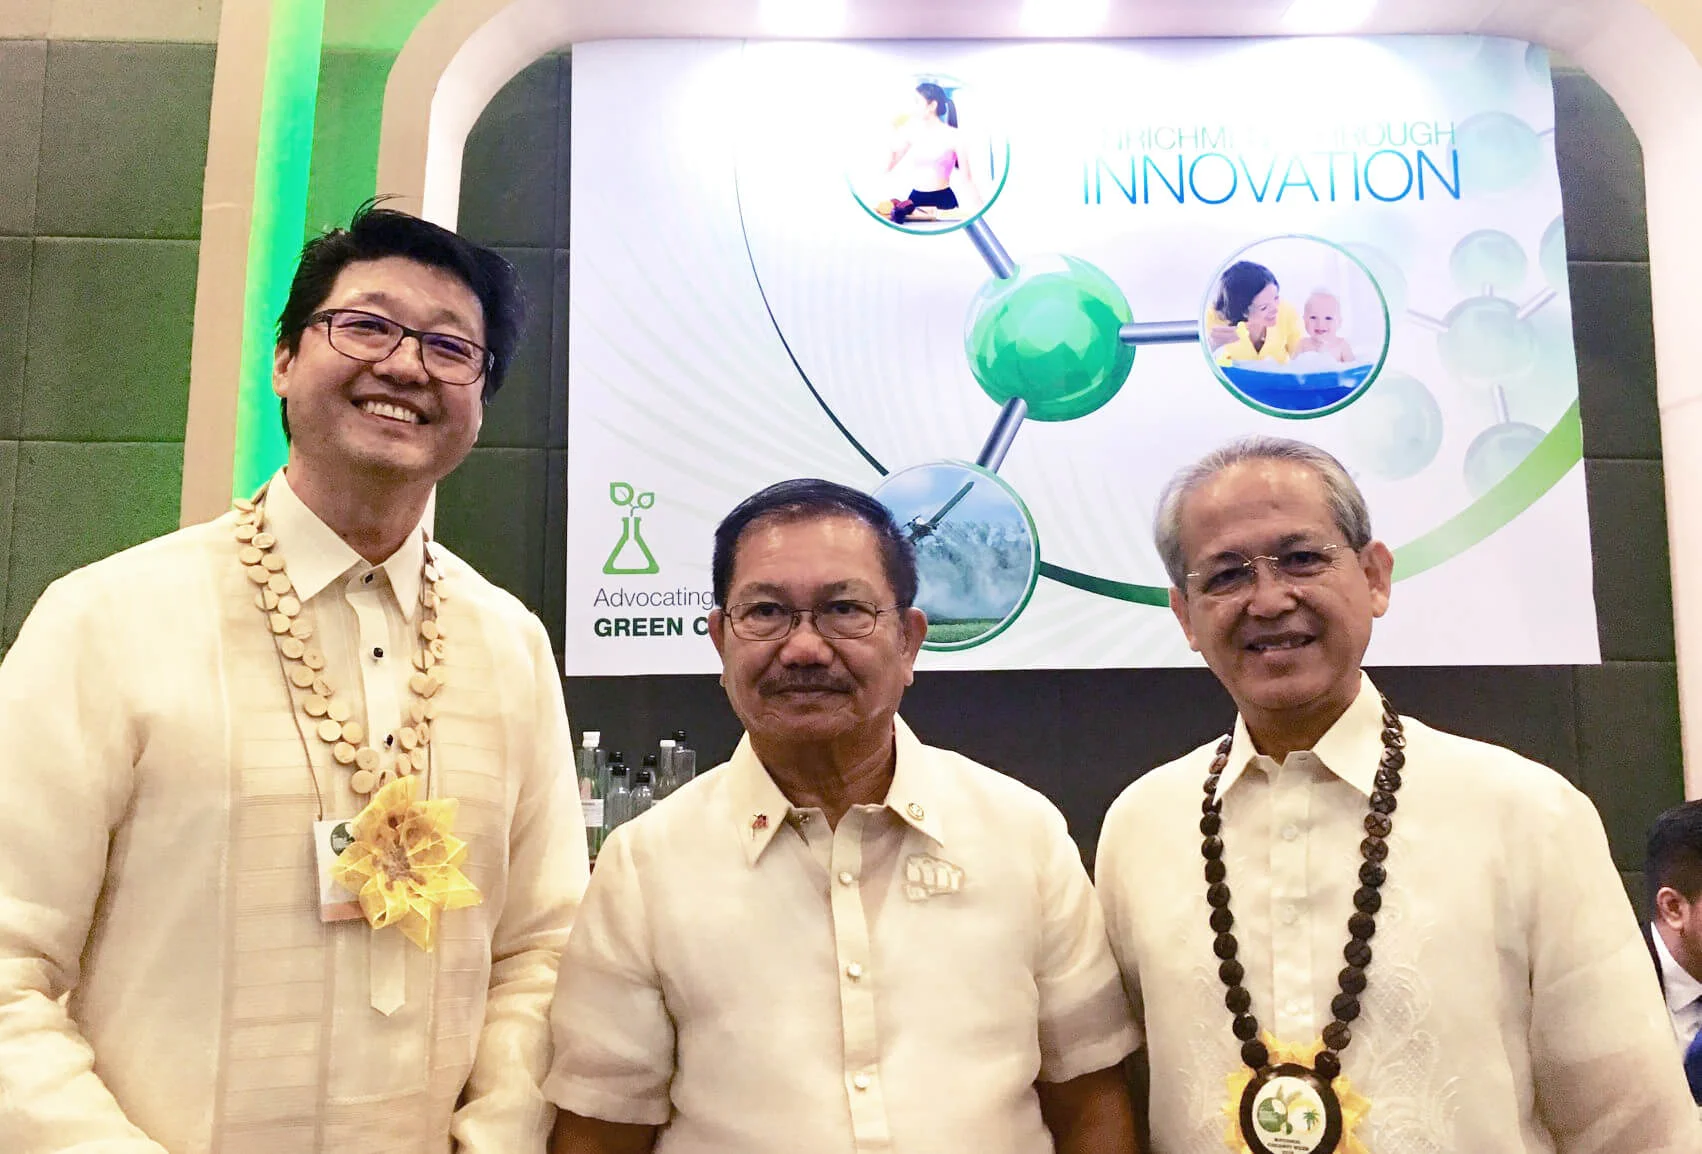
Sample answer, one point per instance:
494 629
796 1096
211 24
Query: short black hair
1674 856
806 498
1236 288
375 233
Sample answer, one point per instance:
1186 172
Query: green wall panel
553 600
23 70
508 194
14 327
1613 331
1628 736
77 503
564 154
1633 575
8 487
109 339
519 417
1601 173
490 512
124 136
558 356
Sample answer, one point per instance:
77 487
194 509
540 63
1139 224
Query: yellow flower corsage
404 864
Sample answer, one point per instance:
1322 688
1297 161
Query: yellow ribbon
1354 1107
405 865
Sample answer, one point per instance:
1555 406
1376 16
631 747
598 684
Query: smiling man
189 729
841 939
1318 969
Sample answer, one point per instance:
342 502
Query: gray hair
1347 503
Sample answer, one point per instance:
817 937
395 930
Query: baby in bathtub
1323 317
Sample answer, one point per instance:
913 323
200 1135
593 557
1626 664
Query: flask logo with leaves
631 556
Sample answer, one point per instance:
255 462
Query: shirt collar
1682 988
1351 748
911 795
760 808
316 556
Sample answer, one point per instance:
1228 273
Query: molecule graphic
1493 345
1051 338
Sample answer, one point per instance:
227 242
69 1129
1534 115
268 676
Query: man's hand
1088 1115
576 1134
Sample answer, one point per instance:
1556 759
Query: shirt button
854 972
1290 832
861 1081
1290 915
367 580
846 877
378 653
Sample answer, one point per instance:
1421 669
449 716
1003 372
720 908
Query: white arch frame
462 53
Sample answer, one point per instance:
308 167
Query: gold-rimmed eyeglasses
1231 575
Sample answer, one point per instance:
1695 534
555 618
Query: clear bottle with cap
617 806
665 782
684 761
588 763
643 785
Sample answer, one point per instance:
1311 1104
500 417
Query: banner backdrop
1011 288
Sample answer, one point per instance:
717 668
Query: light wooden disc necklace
329 714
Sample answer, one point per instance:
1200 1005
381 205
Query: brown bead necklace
1361 926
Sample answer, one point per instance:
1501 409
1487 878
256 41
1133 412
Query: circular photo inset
928 159
977 551
1295 326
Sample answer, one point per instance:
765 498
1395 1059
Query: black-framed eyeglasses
1232 575
770 621
372 338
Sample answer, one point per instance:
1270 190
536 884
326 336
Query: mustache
803 681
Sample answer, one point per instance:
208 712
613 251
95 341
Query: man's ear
1671 907
1179 606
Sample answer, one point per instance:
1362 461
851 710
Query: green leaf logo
630 556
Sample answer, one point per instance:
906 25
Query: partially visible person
1249 320
1673 872
1494 997
841 939
930 146
1323 317
195 729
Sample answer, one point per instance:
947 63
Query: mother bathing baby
1250 321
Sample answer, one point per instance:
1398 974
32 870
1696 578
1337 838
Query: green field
950 631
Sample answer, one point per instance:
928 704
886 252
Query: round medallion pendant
1288 1109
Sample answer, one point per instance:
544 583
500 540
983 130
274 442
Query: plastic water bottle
617 807
589 765
643 792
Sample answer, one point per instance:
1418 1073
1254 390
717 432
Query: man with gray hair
1509 1006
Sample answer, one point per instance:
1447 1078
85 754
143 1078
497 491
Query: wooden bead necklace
329 715
1361 926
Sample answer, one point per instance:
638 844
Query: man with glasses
1318 968
290 814
841 939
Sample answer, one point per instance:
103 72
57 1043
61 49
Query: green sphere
1551 255
1498 152
1050 335
1485 343
1497 451
1396 427
1488 260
